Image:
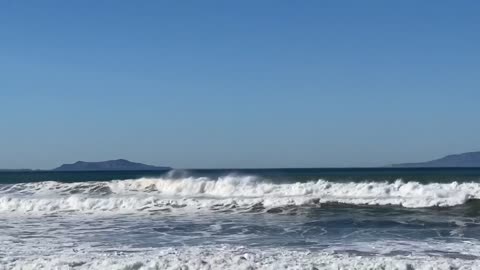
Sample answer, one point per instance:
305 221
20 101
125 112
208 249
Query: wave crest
240 192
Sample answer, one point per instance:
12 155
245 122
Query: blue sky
238 83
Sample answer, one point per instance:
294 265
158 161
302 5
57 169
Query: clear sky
238 83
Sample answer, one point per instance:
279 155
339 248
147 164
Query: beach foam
235 258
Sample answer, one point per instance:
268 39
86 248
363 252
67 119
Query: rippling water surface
241 219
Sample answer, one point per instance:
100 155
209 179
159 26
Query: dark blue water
423 175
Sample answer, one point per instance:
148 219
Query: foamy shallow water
239 222
236 258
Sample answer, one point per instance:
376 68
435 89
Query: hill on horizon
109 165
470 159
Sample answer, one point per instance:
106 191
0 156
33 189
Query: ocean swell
223 193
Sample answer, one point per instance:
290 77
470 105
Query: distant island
465 160
109 165
471 159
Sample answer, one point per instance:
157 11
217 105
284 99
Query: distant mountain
471 159
110 165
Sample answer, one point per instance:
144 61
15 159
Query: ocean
385 218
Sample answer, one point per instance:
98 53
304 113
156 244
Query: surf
227 192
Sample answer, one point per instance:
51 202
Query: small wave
239 192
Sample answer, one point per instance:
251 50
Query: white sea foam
233 258
163 194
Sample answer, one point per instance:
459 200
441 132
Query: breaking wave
223 193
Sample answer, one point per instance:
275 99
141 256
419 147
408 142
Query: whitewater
226 192
241 220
